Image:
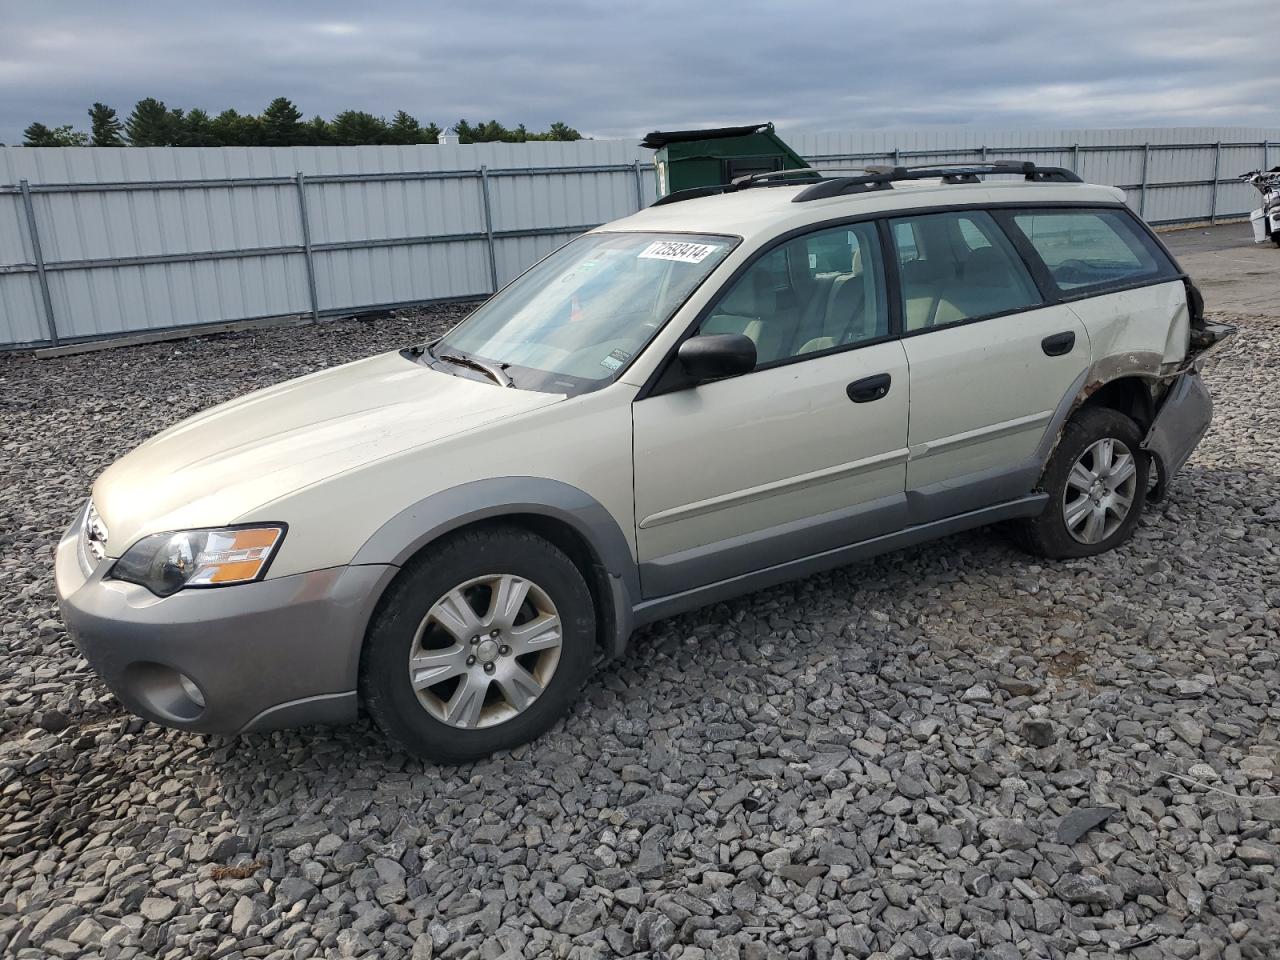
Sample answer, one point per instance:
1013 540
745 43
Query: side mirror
714 356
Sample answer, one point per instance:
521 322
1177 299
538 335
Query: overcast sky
613 68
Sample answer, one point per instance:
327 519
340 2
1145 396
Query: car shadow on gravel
698 636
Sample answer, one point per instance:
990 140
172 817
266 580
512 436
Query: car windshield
578 317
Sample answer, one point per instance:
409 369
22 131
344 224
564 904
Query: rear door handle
869 388
1057 344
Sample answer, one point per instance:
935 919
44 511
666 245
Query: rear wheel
1097 484
480 645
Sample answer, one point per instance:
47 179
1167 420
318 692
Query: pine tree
151 124
38 135
355 127
232 129
176 128
465 132
282 123
562 131
199 130
317 133
404 129
106 126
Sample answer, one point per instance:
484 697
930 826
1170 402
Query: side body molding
408 531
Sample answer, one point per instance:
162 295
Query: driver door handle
1055 345
869 388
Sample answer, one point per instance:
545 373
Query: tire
465 709
1070 524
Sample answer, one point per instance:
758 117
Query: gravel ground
901 758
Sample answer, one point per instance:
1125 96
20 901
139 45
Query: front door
806 453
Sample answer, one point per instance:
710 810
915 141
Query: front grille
95 533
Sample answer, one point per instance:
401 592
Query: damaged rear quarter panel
1143 332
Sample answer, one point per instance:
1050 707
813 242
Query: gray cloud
618 70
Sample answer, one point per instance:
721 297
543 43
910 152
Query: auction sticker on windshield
678 250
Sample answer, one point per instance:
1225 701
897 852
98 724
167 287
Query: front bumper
265 655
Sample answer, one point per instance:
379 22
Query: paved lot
879 761
1235 274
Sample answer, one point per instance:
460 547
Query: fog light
162 693
191 690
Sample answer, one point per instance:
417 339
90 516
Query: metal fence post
897 157
300 180
1075 158
1146 159
488 227
1266 154
982 153
39 258
639 187
1213 198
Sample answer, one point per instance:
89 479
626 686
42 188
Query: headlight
164 563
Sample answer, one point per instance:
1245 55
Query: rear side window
1093 249
957 266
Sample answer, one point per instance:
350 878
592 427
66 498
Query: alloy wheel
1100 491
485 651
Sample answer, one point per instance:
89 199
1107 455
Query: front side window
821 291
1092 248
955 267
575 319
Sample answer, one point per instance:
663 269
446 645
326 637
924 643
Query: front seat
751 309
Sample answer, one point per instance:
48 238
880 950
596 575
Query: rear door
989 362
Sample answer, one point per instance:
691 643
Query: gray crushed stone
875 762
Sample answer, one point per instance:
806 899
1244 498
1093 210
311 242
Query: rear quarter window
1087 250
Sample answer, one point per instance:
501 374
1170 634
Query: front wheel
1097 485
481 644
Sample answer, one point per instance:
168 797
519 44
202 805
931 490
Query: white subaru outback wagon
719 393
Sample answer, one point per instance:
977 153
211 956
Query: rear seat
986 286
923 285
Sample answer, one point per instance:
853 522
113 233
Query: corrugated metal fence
112 241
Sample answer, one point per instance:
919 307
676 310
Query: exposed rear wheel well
1128 395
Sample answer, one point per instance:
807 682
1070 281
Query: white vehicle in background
717 394
1266 219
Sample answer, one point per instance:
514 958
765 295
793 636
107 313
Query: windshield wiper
496 372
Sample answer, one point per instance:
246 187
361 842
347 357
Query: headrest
986 266
752 296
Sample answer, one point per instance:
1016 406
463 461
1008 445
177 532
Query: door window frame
667 378
887 230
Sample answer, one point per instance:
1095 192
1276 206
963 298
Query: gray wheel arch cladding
397 540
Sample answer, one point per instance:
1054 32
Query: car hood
218 465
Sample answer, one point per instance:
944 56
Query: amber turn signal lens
234 556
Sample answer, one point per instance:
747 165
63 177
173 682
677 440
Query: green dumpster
707 158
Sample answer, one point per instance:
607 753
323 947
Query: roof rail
874 178
795 173
771 178
882 177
